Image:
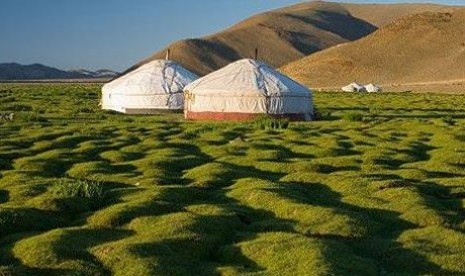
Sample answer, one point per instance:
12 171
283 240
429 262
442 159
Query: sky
115 34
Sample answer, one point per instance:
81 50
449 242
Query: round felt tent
353 87
157 85
244 90
372 88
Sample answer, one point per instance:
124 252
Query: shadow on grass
423 116
282 151
211 238
71 245
201 253
17 220
16 268
415 152
172 169
17 224
380 241
198 254
4 196
6 160
446 201
74 244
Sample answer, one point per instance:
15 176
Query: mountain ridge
286 34
37 71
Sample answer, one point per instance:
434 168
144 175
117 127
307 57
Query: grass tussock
91 190
271 123
353 117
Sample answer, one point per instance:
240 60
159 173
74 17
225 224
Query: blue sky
115 34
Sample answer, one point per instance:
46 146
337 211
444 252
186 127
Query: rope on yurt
267 92
170 84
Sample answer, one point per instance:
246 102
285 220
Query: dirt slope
383 14
422 48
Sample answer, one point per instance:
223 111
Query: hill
422 48
287 34
15 71
383 14
102 73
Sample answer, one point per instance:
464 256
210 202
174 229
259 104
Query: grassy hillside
285 35
422 48
377 187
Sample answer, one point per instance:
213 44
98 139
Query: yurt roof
246 76
155 77
356 85
372 87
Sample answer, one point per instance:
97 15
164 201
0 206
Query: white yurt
372 88
353 87
244 90
157 85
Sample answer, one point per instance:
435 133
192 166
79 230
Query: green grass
376 187
353 117
270 123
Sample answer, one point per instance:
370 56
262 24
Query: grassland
375 188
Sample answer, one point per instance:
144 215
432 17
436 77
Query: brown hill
423 48
383 14
286 34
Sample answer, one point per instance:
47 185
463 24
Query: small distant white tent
157 85
372 88
245 89
353 87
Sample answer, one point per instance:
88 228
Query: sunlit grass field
376 187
